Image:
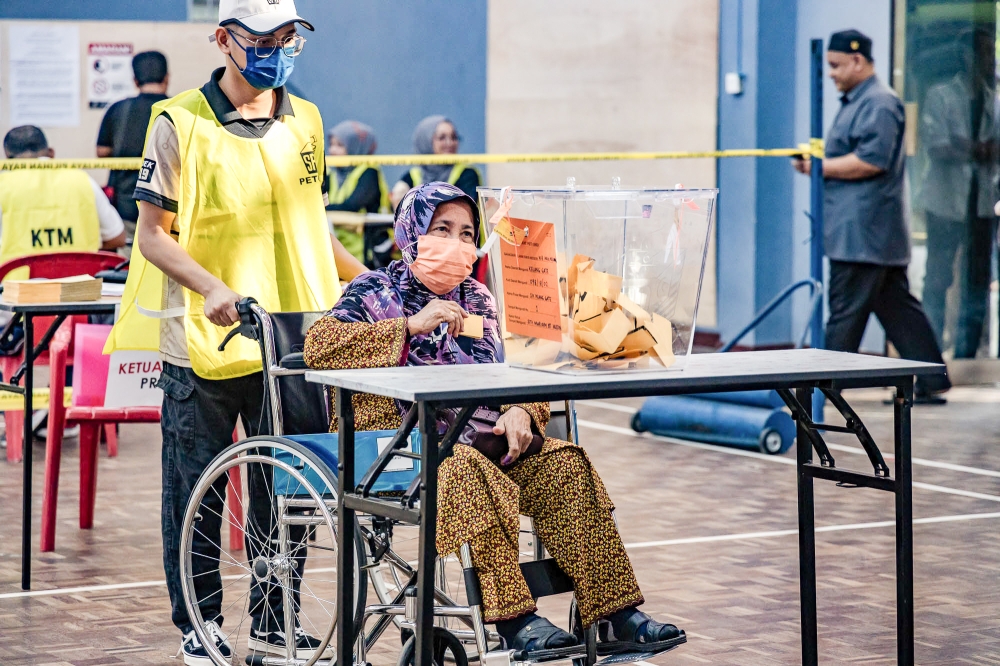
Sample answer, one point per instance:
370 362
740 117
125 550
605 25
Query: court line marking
923 462
630 546
763 456
823 528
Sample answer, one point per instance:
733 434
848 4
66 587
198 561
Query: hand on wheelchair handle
247 327
516 424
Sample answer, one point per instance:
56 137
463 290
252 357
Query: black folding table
28 312
795 374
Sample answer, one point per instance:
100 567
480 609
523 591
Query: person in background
436 135
123 131
51 210
240 153
359 189
865 234
959 130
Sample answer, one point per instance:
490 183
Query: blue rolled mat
713 421
767 398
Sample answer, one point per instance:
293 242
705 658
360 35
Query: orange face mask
443 263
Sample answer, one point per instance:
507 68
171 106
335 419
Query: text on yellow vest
46 211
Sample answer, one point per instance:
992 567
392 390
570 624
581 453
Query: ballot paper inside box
598 280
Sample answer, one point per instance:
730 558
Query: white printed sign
132 379
109 74
45 75
398 463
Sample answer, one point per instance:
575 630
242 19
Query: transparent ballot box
597 280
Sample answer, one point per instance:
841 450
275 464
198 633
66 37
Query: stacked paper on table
61 290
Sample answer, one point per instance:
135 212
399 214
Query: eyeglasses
448 137
263 47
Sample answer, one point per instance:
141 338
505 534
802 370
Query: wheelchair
277 494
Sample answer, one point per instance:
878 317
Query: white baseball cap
260 17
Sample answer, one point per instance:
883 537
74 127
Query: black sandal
640 634
542 636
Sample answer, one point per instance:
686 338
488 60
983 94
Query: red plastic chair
51 265
94 421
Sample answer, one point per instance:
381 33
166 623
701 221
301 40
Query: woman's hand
220 305
516 424
434 314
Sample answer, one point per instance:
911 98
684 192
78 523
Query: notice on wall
132 379
531 282
45 75
109 74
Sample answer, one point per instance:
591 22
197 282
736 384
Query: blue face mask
265 73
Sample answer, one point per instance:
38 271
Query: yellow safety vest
250 211
342 192
46 211
417 174
353 241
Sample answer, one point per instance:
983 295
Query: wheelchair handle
248 324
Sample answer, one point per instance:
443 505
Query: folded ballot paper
603 329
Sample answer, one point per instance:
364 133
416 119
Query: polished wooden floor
711 534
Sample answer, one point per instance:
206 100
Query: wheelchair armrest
293 362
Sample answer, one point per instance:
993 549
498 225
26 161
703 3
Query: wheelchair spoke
243 528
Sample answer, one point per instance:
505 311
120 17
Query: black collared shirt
864 220
230 118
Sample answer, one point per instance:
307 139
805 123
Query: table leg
27 439
345 524
904 523
807 537
427 553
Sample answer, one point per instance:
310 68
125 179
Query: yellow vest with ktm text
250 211
46 211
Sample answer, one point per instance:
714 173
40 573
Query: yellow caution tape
812 149
14 402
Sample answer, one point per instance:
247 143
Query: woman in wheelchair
411 313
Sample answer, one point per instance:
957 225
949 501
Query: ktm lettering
308 179
41 237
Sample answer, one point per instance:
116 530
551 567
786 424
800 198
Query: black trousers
945 239
197 422
858 290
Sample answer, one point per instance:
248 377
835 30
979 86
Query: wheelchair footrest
623 648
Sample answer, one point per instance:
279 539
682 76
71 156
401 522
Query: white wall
191 59
592 75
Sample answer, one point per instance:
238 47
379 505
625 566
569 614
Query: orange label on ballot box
531 282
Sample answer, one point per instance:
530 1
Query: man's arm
849 167
152 234
112 227
104 151
348 266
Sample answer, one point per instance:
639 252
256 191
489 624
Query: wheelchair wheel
279 507
448 650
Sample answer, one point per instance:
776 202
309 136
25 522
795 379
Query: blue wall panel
775 129
93 10
391 63
737 178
